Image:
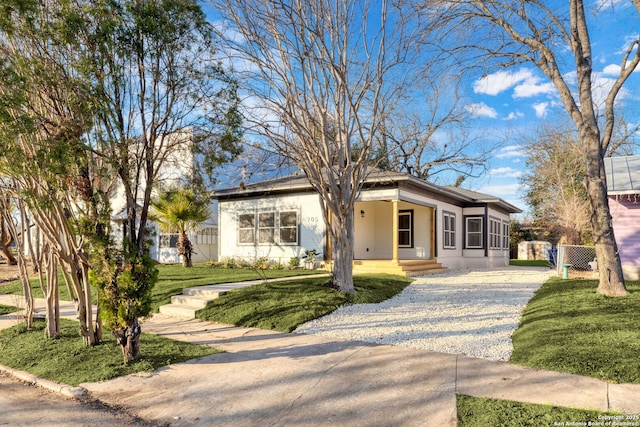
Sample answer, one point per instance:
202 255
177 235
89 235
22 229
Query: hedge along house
403 225
623 190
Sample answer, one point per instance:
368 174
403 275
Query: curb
64 389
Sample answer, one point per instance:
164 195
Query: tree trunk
51 295
5 252
129 340
342 237
6 239
611 276
185 249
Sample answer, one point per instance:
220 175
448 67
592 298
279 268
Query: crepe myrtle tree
320 78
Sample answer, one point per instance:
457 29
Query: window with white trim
289 227
268 227
246 229
473 232
449 230
495 235
506 232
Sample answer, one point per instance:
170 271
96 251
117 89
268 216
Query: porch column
394 237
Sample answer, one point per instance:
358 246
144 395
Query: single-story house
402 224
623 189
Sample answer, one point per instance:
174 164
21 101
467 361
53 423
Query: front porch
406 268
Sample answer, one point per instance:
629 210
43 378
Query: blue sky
513 101
517 100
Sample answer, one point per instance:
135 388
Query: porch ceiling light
361 213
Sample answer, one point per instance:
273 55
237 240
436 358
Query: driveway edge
64 389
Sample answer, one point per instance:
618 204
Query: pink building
623 187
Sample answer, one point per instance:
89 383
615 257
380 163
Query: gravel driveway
459 312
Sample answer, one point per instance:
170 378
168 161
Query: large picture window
449 230
474 233
268 227
405 229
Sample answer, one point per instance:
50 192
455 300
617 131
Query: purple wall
625 211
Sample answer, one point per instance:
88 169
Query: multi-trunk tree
321 78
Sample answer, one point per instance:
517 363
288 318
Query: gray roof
299 183
623 174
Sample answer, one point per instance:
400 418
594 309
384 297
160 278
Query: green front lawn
282 306
6 309
173 278
69 361
485 412
568 327
529 263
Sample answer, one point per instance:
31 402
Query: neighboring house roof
623 174
376 178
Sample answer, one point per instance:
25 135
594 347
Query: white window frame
448 230
259 231
495 233
262 229
506 231
478 233
294 227
252 228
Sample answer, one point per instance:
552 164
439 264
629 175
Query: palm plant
182 210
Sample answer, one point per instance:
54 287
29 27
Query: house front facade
623 190
398 220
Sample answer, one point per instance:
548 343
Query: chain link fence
580 259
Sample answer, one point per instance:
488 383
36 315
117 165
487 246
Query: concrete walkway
267 378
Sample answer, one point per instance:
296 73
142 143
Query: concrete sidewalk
269 378
276 379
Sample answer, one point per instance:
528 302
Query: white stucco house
177 164
403 224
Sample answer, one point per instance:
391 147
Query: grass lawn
484 412
68 360
173 278
6 309
568 327
282 306
529 263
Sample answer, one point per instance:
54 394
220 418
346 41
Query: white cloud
514 115
481 110
510 151
505 172
611 70
523 82
541 109
496 83
501 190
533 87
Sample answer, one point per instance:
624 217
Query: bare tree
429 133
323 76
514 32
